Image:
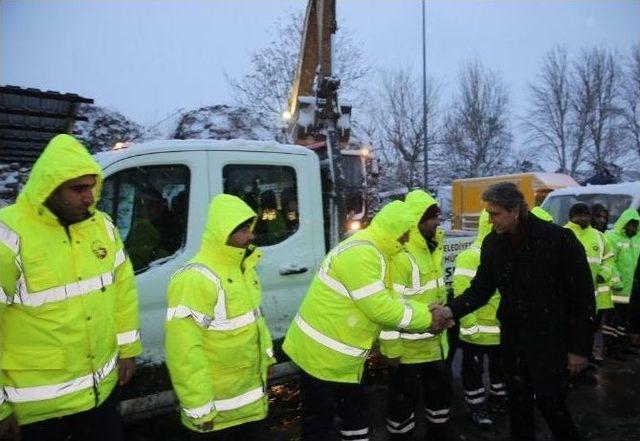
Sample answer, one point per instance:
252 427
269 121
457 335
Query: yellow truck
466 200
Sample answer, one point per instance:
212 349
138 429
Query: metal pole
424 97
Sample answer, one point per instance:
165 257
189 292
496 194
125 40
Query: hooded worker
418 275
349 302
217 342
69 326
626 246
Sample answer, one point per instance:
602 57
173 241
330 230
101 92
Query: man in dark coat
546 310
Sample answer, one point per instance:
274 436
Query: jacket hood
63 159
627 215
226 212
389 224
484 227
541 213
418 201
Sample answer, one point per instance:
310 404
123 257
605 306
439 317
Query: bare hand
576 364
441 318
9 429
126 368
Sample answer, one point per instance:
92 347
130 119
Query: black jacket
634 305
547 299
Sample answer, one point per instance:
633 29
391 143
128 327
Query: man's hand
441 318
9 429
126 368
576 364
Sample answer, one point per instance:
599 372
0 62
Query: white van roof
171 145
629 188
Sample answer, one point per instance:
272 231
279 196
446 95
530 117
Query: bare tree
398 118
476 139
548 122
596 103
631 99
265 89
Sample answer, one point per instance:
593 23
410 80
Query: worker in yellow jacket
69 326
349 302
218 347
418 275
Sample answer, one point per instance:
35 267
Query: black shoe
481 418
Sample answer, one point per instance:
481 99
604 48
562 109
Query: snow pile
223 122
104 128
12 178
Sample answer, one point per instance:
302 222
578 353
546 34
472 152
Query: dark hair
579 208
599 208
505 195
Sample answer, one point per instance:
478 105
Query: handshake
441 318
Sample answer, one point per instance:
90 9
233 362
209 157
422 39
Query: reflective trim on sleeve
389 335
480 329
207 322
220 308
48 392
464 272
125 338
406 317
270 352
9 238
608 256
355 435
595 260
240 400
623 245
416 336
199 412
603 289
400 289
615 279
620 299
60 293
328 341
366 291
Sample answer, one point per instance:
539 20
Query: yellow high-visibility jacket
68 301
217 343
351 300
418 275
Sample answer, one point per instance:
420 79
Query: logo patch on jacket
99 249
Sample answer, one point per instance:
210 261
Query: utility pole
424 97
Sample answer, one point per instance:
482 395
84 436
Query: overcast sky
146 59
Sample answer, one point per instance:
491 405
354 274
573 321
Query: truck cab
158 194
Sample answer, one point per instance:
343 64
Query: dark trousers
102 423
404 393
473 368
322 400
254 431
521 411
